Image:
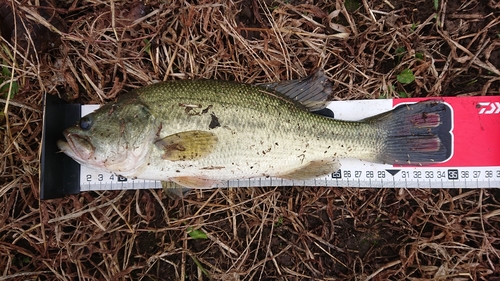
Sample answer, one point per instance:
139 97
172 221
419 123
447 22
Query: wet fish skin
199 133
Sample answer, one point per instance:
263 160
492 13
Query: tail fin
416 134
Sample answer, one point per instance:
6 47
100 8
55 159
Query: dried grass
253 233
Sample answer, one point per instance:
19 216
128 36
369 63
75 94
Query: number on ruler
453 174
347 174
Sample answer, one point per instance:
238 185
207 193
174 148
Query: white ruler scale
474 161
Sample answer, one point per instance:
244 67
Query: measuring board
474 162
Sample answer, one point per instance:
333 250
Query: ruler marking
408 177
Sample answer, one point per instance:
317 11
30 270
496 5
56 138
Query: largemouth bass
200 133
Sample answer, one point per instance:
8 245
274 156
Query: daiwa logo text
489 107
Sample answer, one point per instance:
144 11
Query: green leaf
6 75
147 48
6 71
400 51
419 56
200 266
406 76
196 233
473 81
436 4
352 5
402 94
279 222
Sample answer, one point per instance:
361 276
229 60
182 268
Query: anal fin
313 169
177 188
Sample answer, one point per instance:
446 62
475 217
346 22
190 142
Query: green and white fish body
200 133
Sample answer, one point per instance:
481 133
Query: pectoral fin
313 169
190 145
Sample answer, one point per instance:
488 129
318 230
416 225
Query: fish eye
85 123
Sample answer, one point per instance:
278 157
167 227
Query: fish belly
259 154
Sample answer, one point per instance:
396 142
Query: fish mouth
77 147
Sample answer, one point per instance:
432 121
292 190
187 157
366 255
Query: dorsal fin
311 91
